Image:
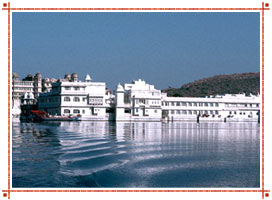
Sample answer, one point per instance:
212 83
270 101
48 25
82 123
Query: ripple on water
103 154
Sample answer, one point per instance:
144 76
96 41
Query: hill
219 84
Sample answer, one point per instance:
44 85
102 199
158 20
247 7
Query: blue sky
163 48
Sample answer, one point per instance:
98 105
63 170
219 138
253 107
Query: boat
38 116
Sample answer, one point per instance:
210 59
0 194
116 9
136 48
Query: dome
15 75
39 74
120 88
67 76
88 78
74 75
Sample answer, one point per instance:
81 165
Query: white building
19 88
72 97
27 85
141 101
228 107
137 101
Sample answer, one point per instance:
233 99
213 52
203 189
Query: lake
135 154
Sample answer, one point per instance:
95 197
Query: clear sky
164 48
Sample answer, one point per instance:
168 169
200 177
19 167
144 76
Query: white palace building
139 101
69 96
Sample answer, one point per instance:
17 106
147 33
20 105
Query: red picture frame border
265 6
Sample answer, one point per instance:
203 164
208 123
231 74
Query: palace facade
69 96
141 101
136 101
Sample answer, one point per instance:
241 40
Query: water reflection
140 154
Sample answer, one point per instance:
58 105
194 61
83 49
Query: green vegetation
220 84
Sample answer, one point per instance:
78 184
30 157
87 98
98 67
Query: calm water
105 154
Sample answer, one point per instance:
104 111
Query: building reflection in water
35 152
146 154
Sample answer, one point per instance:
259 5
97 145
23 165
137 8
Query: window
173 103
184 112
211 104
155 111
83 111
66 98
76 99
142 101
195 112
77 88
216 112
178 111
178 103
190 104
216 105
95 101
67 111
200 104
67 88
206 104
172 112
76 111
184 104
195 104
190 112
127 110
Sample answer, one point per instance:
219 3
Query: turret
119 95
67 77
88 78
15 76
74 77
119 102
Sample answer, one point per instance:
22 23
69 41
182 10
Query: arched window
76 99
67 111
66 98
76 111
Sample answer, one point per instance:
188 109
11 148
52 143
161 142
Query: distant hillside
220 84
